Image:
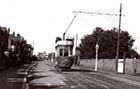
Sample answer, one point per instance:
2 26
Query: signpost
96 61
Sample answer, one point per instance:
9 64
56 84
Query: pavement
44 74
134 77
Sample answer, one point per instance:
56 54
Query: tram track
96 80
83 81
112 82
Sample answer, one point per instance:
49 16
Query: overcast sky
44 20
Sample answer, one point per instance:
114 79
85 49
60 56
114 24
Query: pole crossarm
98 13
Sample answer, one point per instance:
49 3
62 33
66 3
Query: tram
64 53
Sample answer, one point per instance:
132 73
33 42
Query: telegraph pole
118 37
33 46
118 42
76 39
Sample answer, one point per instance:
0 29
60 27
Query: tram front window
61 52
66 52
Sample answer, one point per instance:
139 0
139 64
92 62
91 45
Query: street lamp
96 61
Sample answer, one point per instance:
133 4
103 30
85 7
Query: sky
41 21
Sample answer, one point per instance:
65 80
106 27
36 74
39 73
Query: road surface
93 80
43 75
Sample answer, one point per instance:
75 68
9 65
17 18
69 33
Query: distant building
42 55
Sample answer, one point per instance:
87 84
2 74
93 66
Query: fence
131 65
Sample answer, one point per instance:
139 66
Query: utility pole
33 45
76 40
118 42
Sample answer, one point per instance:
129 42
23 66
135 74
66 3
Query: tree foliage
107 41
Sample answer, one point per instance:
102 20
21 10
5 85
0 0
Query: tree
107 41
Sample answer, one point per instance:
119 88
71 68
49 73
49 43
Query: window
61 52
66 52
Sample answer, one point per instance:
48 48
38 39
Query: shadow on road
44 87
76 70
